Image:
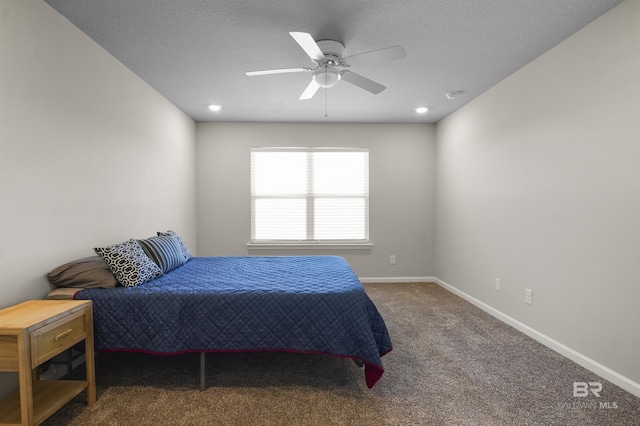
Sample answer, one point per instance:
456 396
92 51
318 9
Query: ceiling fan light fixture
326 78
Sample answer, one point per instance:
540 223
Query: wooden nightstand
32 333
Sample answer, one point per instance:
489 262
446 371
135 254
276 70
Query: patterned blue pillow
183 246
129 263
165 251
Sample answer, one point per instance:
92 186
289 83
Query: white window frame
311 243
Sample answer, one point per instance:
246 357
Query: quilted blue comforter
306 304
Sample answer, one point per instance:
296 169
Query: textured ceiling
195 52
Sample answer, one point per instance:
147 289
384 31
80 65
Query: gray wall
89 153
401 179
538 184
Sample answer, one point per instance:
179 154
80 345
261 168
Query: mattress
305 304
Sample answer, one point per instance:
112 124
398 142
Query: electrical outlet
392 259
528 296
498 284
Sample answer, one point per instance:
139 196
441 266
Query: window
309 195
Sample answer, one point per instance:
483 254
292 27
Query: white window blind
309 195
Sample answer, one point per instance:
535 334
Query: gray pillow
88 272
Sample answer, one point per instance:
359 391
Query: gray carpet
452 364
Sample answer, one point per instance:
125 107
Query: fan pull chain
326 96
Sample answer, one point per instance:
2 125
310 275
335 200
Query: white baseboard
397 279
575 356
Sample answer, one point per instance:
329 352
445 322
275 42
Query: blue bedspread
307 304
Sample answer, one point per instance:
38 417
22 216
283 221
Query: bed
303 304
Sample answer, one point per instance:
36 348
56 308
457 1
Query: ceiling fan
327 58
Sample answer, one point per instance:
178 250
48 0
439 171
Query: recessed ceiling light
215 107
422 110
453 95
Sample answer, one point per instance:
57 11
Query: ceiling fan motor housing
326 75
332 51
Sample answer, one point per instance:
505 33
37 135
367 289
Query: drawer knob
63 334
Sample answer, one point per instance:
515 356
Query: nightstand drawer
54 338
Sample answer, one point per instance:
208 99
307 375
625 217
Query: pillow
183 246
164 250
63 293
88 272
129 263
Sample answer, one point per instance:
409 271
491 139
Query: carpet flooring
452 364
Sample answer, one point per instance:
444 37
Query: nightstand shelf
31 333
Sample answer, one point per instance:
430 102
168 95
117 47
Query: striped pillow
164 250
185 250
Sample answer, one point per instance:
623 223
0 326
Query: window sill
318 246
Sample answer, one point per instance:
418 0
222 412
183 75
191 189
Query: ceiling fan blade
309 45
362 82
277 71
386 54
311 90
